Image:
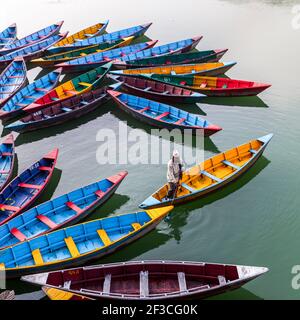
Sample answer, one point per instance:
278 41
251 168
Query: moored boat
49 61
62 211
21 192
162 115
173 48
112 37
8 35
74 87
212 174
89 32
7 160
147 280
154 90
12 79
29 94
78 244
213 86
33 38
208 69
179 58
31 52
94 60
61 112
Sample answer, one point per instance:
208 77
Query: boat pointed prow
266 139
246 272
113 93
52 154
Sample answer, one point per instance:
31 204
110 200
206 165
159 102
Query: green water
254 221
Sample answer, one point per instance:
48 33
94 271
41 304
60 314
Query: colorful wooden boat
8 35
212 174
29 94
94 60
154 90
78 244
31 52
209 69
89 32
7 160
61 112
136 31
61 295
20 193
12 79
74 87
162 115
33 38
213 86
148 280
51 60
63 211
181 58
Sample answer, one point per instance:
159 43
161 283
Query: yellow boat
208 69
61 295
86 33
212 174
51 60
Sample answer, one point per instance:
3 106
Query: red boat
21 192
213 86
149 280
154 90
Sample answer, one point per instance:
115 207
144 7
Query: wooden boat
149 280
7 160
74 87
51 60
8 35
89 32
29 94
213 86
162 115
136 31
63 211
97 59
181 58
21 192
166 49
212 174
61 295
78 244
60 112
12 79
33 38
31 52
154 90
208 69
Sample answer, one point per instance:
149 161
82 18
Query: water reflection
252 101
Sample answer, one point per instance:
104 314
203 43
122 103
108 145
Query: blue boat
78 244
31 52
29 94
136 31
63 211
21 192
97 59
166 49
7 159
162 115
8 35
33 38
12 79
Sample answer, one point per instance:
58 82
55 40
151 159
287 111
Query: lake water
254 221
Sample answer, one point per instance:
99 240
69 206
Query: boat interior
6 158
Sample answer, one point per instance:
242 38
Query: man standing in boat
174 174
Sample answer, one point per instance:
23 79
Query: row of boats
37 241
